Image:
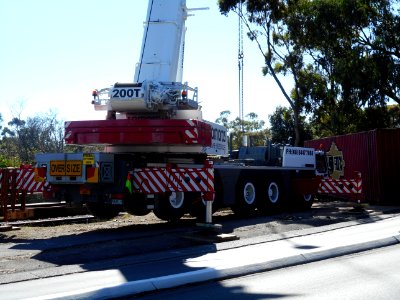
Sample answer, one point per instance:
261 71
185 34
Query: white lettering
299 151
125 93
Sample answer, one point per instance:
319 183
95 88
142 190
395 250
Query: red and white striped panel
160 180
191 134
340 186
25 180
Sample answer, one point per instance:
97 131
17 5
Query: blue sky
53 53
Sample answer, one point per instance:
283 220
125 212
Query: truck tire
246 195
304 202
170 206
103 210
135 204
272 198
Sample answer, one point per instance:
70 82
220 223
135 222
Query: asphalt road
367 275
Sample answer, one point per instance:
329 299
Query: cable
240 65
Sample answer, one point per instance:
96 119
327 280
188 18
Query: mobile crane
158 150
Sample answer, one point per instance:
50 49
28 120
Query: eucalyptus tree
282 127
342 55
266 25
354 53
21 139
250 126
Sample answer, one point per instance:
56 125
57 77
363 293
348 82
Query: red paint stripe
174 180
207 179
199 186
159 178
193 185
141 182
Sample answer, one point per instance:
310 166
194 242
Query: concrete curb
209 274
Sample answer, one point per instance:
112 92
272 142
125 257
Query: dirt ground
322 212
86 223
50 230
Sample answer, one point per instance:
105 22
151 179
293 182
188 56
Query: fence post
4 193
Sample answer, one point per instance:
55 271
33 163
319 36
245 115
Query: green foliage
250 126
354 58
393 112
266 23
347 119
9 161
83 148
343 57
23 139
379 117
282 127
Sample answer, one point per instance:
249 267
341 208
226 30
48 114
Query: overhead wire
240 65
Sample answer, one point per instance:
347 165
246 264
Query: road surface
367 275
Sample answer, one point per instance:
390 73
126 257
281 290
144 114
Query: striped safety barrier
167 179
24 179
342 187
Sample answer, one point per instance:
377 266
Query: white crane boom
157 90
161 57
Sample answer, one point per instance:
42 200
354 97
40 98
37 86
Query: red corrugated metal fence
376 154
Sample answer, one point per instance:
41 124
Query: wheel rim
307 198
176 199
273 192
249 193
